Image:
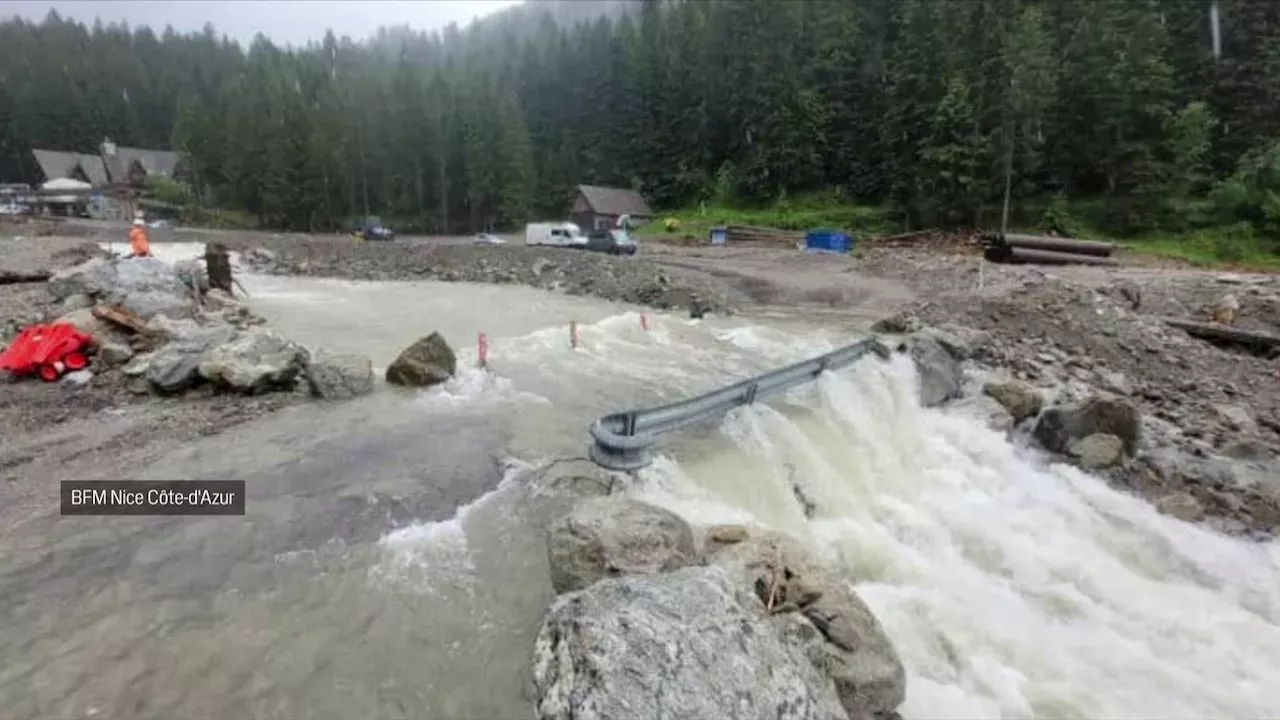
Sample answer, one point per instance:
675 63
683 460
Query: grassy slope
1205 248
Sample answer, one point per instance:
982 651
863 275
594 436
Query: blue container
719 235
828 241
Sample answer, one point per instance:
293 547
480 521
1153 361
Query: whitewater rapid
1012 587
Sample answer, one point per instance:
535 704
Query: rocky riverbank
1085 374
160 337
626 279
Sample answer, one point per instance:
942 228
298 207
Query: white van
562 234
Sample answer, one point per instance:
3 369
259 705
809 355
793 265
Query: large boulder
175 367
144 286
256 361
1021 400
427 362
92 278
1098 451
939 371
1058 428
816 610
609 536
687 644
988 411
339 376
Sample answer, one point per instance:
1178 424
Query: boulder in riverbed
609 536
1020 399
145 286
818 613
256 361
339 376
1059 427
939 371
685 644
1097 451
427 362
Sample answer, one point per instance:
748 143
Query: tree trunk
218 265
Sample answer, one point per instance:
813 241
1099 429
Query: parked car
14 209
559 234
613 242
371 228
487 239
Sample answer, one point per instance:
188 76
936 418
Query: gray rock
84 321
939 371
1020 399
1181 505
610 536
688 644
1059 427
831 625
1114 382
899 324
339 376
174 368
147 304
989 411
138 365
93 277
1236 418
75 302
1098 451
78 377
427 362
961 342
256 361
113 351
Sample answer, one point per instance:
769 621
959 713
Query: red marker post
644 322
573 334
482 350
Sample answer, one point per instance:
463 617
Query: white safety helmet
139 221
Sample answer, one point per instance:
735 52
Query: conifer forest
932 109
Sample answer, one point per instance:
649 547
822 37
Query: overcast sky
284 21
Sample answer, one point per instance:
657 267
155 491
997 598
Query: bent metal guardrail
621 441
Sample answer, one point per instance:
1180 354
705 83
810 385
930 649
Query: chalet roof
55 164
155 162
615 201
94 169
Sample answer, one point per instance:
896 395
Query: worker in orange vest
139 243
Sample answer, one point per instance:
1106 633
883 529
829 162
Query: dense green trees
936 107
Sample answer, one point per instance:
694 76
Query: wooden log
218 266
1026 256
1226 335
1064 245
121 317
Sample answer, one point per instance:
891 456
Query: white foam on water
432 557
1012 588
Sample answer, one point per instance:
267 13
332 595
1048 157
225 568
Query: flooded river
390 562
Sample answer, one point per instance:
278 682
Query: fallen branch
1261 343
